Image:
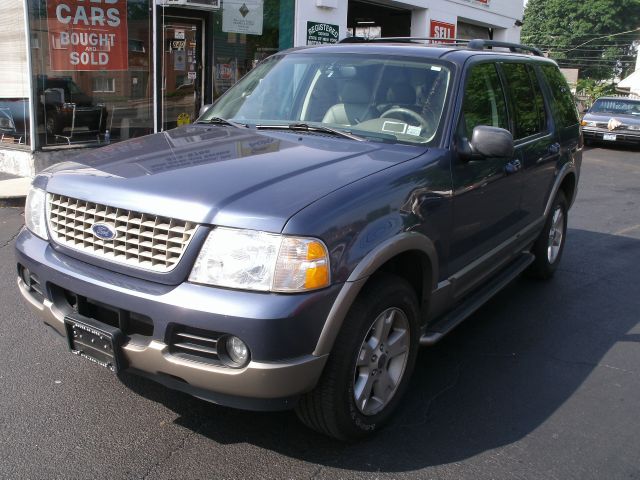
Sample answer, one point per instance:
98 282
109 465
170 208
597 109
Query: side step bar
451 320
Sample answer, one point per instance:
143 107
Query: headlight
633 127
34 212
588 124
252 260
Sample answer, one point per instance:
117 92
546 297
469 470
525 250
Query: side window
539 100
530 117
484 102
565 108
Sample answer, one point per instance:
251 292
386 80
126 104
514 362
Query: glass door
182 74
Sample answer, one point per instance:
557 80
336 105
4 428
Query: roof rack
480 44
434 40
476 44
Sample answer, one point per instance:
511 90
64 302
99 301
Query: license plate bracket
97 342
609 136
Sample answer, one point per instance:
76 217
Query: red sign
442 30
87 35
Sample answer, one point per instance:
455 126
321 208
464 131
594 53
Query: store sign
321 33
442 30
88 36
242 16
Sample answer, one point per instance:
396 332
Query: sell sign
442 30
88 35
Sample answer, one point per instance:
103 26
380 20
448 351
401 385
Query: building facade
85 73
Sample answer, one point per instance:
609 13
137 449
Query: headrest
355 91
401 93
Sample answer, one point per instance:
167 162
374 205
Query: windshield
618 106
377 97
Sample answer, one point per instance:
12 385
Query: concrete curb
13 190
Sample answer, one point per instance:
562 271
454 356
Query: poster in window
88 36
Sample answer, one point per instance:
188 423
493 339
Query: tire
549 246
331 407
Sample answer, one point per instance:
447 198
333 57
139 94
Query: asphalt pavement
542 383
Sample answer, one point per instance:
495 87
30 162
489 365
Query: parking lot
542 383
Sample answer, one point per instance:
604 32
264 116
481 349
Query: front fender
385 251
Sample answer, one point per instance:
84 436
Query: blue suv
336 209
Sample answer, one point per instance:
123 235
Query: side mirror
491 142
204 109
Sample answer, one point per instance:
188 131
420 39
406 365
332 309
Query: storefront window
14 90
206 52
240 46
92 70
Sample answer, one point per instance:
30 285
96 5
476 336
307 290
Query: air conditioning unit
194 4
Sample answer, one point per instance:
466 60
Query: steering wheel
409 113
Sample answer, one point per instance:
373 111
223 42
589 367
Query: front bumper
622 136
281 330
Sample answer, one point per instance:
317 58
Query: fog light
237 351
26 276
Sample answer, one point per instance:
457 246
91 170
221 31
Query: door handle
513 166
554 148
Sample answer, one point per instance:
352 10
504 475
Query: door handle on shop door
513 166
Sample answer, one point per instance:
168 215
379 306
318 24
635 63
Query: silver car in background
613 120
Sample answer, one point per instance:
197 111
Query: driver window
484 102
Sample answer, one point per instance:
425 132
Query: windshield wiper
222 121
304 127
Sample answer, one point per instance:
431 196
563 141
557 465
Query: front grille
144 241
194 344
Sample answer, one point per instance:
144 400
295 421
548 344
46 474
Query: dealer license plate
97 342
609 136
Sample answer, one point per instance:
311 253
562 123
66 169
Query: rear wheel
370 365
550 244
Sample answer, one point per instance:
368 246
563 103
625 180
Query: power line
606 36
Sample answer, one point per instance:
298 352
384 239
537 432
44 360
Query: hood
222 175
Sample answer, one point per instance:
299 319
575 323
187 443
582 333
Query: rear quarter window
564 107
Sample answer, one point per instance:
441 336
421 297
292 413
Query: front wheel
549 246
370 365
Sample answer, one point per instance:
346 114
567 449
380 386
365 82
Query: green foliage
594 89
559 27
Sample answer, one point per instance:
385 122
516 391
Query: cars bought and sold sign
88 34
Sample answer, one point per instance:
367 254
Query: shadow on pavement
493 381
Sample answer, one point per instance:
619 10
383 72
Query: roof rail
433 40
480 44
476 44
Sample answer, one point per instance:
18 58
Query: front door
486 203
182 73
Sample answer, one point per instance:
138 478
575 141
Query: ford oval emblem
104 231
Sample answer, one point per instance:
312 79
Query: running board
437 331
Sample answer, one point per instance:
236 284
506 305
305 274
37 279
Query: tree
585 34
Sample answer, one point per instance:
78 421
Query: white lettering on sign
88 34
442 30
88 58
96 15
